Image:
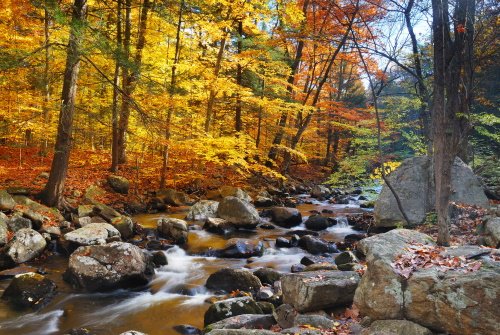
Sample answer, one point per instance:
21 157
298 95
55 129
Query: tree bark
239 80
213 91
53 193
116 84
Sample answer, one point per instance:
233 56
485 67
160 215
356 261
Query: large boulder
244 321
119 184
26 245
29 290
231 307
312 291
202 210
286 216
173 197
37 212
7 203
92 234
229 191
412 181
238 212
173 229
395 327
108 267
230 280
453 301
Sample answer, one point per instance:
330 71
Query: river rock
286 216
202 210
217 226
300 331
29 290
231 307
268 276
17 221
92 234
316 321
119 184
411 182
261 201
282 242
25 245
242 248
37 212
320 266
395 327
107 267
3 232
7 203
451 302
173 197
85 210
174 229
346 257
238 212
244 321
124 225
187 330
320 191
241 332
230 280
229 191
285 315
133 332
318 222
315 245
312 291
492 232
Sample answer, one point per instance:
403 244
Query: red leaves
420 256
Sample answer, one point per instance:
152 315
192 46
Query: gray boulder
238 212
119 184
395 327
286 216
312 291
174 229
412 183
25 245
37 212
454 301
92 234
316 321
7 203
230 280
108 267
492 232
231 307
17 221
320 191
124 225
3 232
244 321
202 210
217 226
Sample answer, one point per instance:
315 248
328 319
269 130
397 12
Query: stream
176 294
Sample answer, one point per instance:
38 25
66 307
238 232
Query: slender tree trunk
239 80
259 123
116 84
452 96
278 137
53 193
46 68
172 88
131 77
213 91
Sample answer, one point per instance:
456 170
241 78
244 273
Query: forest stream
176 295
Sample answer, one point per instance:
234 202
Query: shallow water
163 304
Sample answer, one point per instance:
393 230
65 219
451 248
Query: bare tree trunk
173 81
116 84
452 95
46 68
259 124
53 193
239 80
131 77
213 91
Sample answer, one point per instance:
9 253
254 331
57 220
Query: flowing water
175 296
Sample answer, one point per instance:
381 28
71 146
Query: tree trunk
239 80
53 193
173 80
452 96
213 91
46 68
116 84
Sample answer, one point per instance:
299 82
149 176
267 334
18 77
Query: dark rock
159 259
230 280
242 248
316 245
309 260
286 217
317 223
29 290
244 321
108 267
187 330
263 202
268 276
267 226
297 268
119 184
346 257
282 242
301 233
231 307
